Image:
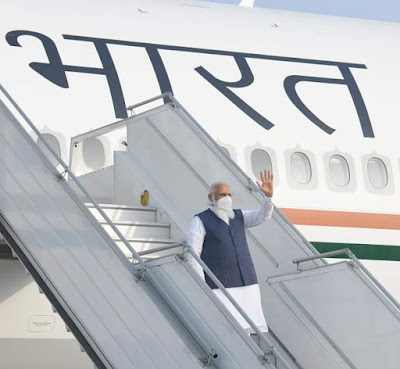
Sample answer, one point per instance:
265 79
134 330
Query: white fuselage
303 88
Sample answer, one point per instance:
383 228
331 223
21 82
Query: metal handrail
97 132
264 339
161 248
355 260
116 125
72 176
148 101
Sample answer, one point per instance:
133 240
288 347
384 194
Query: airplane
311 97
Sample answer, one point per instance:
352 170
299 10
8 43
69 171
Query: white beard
225 215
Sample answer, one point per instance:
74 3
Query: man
218 236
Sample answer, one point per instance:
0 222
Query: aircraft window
225 151
260 160
339 170
301 167
54 144
93 153
377 173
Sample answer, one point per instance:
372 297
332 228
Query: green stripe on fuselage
362 251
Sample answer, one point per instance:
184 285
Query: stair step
146 244
119 213
140 229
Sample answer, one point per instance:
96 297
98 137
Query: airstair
128 293
139 313
321 315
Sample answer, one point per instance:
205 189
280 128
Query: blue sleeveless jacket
225 250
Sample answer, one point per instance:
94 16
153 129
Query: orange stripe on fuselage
342 219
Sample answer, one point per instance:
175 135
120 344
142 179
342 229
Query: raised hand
267 183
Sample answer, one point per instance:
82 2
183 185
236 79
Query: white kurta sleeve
253 218
197 233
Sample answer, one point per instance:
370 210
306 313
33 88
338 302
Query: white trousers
249 299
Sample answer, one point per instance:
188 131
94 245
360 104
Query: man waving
218 236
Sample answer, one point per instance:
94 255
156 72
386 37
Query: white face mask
225 203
